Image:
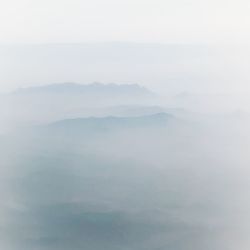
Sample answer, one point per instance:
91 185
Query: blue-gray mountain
112 122
48 103
94 89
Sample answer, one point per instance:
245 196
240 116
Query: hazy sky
128 20
189 22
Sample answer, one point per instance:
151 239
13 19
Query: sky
168 68
132 22
160 21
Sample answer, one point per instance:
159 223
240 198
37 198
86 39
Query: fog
122 167
165 68
124 125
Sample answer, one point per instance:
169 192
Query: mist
124 125
165 68
118 166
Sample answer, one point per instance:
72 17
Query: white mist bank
179 184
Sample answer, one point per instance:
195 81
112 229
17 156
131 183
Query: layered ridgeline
106 93
96 125
35 105
123 183
94 89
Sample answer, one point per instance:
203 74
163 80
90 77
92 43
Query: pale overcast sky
190 22
161 21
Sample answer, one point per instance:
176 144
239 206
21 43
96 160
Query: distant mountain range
93 89
109 123
55 99
96 107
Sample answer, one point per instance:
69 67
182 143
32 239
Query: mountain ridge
110 122
91 88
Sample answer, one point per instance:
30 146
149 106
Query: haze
164 68
124 125
76 21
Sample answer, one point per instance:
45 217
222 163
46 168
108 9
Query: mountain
63 98
48 103
93 89
110 123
